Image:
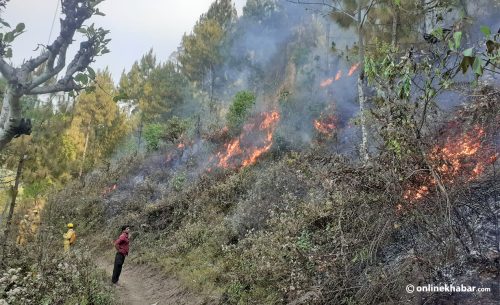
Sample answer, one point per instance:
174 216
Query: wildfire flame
329 81
460 156
339 75
353 69
326 82
326 125
109 189
256 139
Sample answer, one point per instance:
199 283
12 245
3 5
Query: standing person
69 237
121 246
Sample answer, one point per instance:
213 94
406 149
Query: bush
60 279
152 134
174 128
239 110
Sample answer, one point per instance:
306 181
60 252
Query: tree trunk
14 191
212 86
424 18
10 116
395 22
85 146
139 139
361 94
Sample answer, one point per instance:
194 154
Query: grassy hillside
308 227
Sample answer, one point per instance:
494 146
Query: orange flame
325 125
241 151
353 69
326 82
339 75
181 145
329 81
109 189
461 156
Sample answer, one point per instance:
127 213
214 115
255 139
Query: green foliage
37 188
304 241
478 59
174 128
239 110
153 134
201 50
97 126
178 182
259 9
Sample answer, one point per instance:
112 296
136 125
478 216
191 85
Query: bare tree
24 81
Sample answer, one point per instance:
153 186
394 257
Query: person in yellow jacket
22 237
69 238
35 223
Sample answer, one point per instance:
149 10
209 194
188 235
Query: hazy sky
135 26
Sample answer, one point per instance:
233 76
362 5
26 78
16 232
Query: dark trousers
117 269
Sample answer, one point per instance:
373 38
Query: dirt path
142 285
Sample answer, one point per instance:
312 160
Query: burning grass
327 82
326 124
462 153
255 139
461 156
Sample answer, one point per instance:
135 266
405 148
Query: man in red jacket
121 245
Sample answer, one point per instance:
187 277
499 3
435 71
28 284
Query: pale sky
135 26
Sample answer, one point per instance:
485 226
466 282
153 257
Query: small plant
239 110
178 181
153 133
304 242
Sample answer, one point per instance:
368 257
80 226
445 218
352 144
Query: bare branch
6 70
367 11
49 71
75 16
61 86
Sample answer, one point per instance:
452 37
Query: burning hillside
462 155
255 139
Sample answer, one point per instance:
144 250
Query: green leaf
82 30
486 30
468 52
8 53
457 37
20 27
397 2
478 65
451 45
466 63
91 72
4 23
438 33
82 78
9 37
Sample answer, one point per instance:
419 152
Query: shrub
174 128
152 134
239 110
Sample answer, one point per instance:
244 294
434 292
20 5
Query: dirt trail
142 285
